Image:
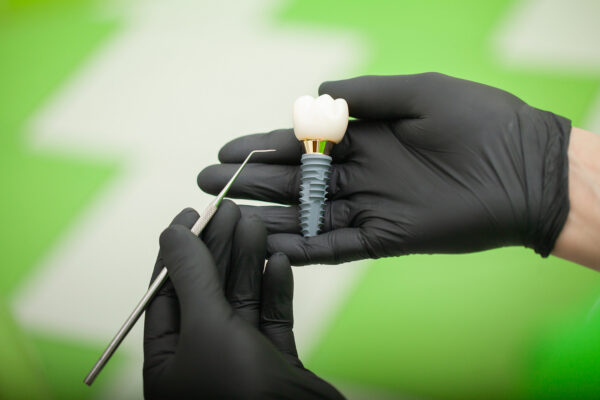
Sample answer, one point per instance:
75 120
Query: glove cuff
550 133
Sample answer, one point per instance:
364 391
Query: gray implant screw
313 189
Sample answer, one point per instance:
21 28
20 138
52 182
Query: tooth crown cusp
322 118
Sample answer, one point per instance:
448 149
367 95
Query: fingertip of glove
226 154
332 88
210 179
278 274
324 87
187 217
344 88
173 236
279 259
228 207
188 210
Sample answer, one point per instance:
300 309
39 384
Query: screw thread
313 189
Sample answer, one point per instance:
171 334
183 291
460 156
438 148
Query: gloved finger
194 276
247 262
272 183
276 219
187 217
277 311
334 247
384 97
288 148
285 219
161 324
218 234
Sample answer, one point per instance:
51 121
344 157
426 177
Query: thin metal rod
126 327
224 191
198 226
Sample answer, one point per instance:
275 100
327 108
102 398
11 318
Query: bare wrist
579 240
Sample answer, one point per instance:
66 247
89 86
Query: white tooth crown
322 118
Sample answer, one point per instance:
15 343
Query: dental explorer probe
199 225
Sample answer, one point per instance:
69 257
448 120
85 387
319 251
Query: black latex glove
433 164
220 328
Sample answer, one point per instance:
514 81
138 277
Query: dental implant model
319 124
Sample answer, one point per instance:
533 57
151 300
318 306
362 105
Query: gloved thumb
193 273
382 97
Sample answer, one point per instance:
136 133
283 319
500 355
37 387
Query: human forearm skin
579 240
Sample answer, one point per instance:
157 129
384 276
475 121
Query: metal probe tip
224 191
202 221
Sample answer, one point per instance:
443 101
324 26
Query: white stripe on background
554 35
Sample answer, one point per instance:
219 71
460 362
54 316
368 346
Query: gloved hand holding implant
432 164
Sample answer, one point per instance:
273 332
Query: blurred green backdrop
501 324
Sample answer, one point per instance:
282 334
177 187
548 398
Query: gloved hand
433 164
219 327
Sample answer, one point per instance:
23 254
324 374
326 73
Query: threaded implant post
313 189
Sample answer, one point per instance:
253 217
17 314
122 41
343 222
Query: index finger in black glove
275 183
273 176
381 98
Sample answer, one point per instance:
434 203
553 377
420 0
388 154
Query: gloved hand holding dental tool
159 280
220 327
432 164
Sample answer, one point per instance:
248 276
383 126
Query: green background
501 324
